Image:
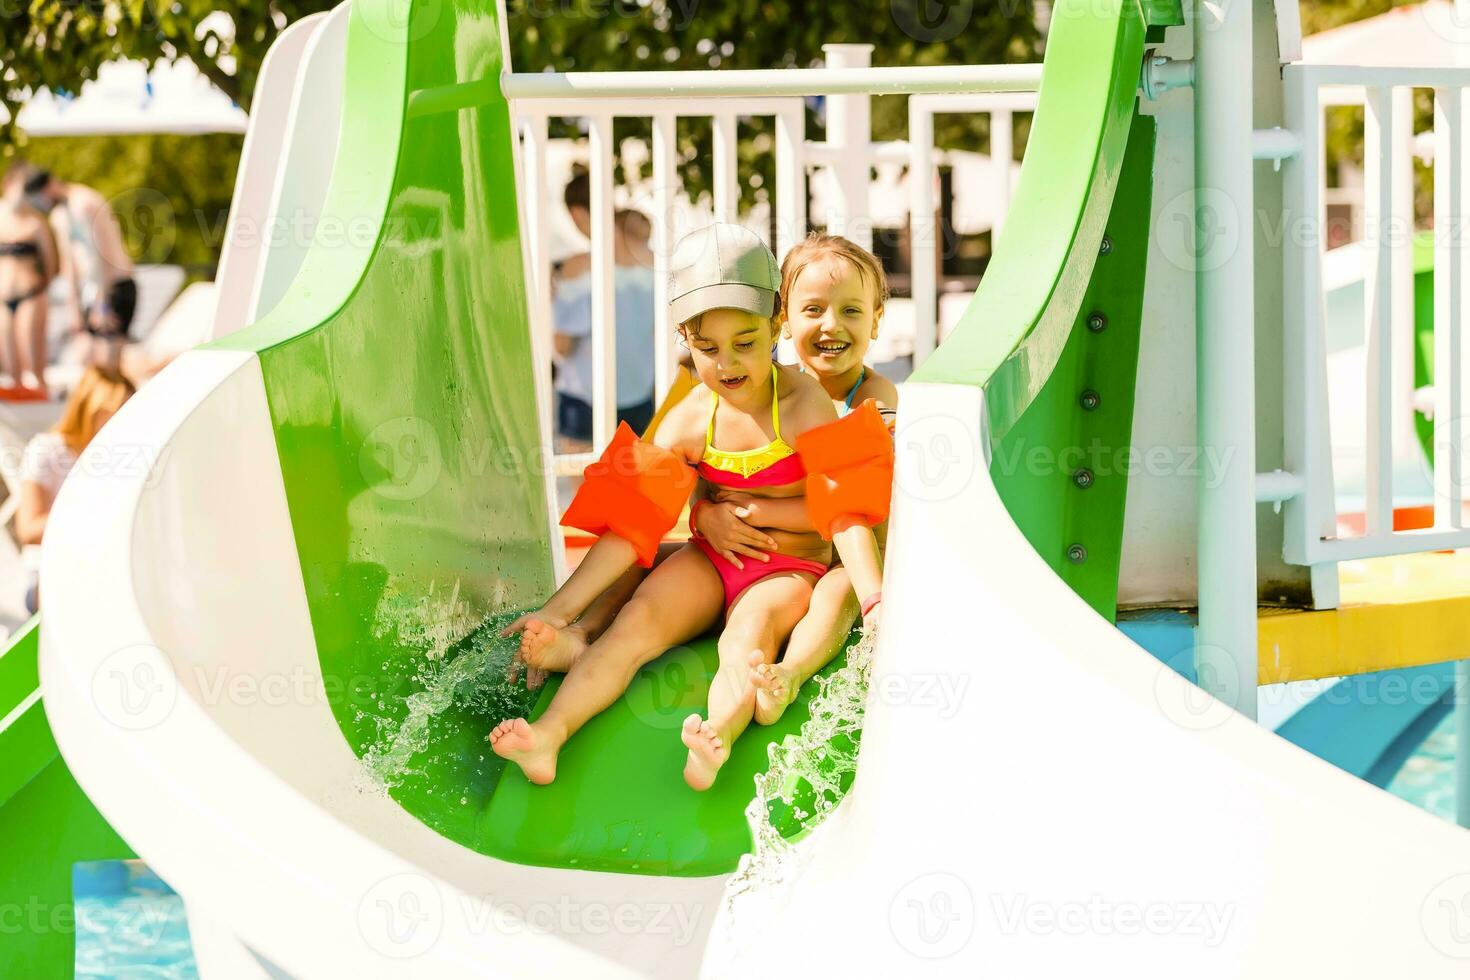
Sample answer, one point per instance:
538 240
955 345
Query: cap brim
722 296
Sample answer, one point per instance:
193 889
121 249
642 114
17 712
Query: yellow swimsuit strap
748 461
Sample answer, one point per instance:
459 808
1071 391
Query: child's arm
849 481
629 498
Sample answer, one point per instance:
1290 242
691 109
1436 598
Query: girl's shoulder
878 387
684 426
804 403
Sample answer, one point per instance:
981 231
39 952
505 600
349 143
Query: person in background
101 293
50 456
572 324
28 263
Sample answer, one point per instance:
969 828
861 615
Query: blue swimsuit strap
856 385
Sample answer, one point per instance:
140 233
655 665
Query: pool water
1427 779
130 924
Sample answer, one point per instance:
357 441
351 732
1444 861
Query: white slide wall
1037 797
245 245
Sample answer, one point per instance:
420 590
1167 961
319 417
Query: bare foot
775 689
707 752
537 614
518 742
547 646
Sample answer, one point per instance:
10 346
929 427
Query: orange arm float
849 471
635 490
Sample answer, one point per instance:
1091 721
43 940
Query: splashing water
809 773
459 666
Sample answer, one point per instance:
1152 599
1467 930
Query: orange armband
849 467
635 490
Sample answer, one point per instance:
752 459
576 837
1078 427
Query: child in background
725 288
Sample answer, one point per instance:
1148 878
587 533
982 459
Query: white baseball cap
722 266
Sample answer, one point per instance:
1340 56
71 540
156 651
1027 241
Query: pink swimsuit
774 464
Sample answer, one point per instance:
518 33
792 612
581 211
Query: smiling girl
738 428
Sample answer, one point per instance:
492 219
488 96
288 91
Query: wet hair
578 192
817 247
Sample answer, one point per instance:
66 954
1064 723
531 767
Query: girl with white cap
738 429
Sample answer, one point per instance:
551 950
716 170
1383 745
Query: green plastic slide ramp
619 802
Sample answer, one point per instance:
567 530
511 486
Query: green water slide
398 371
46 822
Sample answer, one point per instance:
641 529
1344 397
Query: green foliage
599 35
58 44
171 193
178 189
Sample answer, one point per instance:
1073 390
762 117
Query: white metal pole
665 178
1225 649
923 230
604 297
849 133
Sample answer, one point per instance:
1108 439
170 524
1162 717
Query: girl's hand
751 504
725 527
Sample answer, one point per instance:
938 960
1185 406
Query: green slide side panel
1062 470
1013 332
1025 337
47 824
1424 334
619 802
398 373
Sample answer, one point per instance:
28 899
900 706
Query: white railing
725 98
1312 536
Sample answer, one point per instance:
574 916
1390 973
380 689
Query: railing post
850 136
1225 651
923 230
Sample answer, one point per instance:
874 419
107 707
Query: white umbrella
127 97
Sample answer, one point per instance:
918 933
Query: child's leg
814 642
606 561
677 602
545 647
757 623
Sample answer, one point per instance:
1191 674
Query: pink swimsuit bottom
737 580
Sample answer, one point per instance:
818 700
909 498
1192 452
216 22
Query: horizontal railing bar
1381 546
745 83
1019 100
1424 76
644 107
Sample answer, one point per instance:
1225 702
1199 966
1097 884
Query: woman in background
50 456
28 263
